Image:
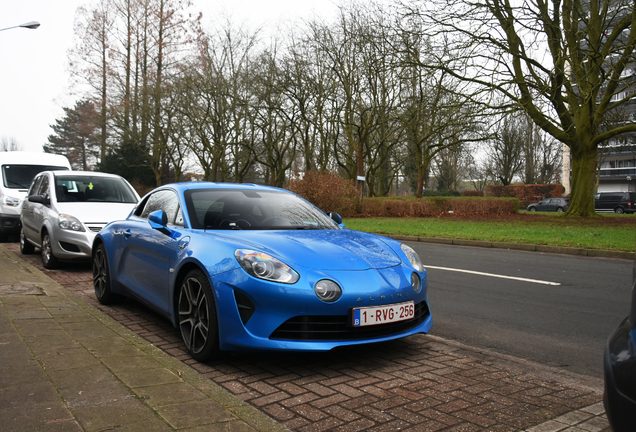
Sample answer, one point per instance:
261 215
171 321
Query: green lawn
602 232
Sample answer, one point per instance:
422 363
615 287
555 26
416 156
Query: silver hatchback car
64 210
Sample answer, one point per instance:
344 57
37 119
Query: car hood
96 212
319 249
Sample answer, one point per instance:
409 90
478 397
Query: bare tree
506 149
542 155
451 166
564 63
9 144
89 59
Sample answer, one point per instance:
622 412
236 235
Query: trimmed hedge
527 194
473 193
432 207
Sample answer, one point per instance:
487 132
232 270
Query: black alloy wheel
197 316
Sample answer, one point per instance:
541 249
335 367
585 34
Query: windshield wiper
18 184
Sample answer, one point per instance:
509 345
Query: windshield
21 176
220 209
93 189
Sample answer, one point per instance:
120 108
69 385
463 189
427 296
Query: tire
26 248
532 209
559 209
48 259
4 237
101 278
197 316
619 210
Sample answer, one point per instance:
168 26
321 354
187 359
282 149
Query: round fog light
416 282
327 291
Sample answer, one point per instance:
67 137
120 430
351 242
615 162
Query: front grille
339 327
95 228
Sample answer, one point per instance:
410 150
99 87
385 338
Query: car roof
83 174
197 185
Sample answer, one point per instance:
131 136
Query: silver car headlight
266 267
413 257
68 222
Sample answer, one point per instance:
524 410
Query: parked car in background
17 170
617 202
619 396
550 204
248 267
64 210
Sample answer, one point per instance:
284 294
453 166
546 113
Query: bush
441 193
527 194
435 207
473 193
326 190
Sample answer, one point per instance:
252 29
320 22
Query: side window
178 220
167 201
43 188
34 186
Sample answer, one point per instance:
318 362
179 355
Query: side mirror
337 219
41 199
158 220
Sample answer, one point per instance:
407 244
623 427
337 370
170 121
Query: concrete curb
597 253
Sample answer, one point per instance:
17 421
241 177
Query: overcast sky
33 76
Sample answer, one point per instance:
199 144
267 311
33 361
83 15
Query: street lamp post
30 25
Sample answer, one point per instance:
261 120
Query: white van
17 170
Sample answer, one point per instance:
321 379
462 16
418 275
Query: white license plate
375 315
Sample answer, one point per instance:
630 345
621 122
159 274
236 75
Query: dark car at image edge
616 202
619 396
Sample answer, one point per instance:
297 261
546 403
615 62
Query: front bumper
9 223
72 245
278 312
620 378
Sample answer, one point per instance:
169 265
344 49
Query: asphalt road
564 325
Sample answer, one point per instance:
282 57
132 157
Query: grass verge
603 232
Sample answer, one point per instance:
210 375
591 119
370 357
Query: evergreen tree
76 135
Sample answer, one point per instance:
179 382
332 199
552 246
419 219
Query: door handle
127 233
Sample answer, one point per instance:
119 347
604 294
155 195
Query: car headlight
413 258
11 202
264 266
68 222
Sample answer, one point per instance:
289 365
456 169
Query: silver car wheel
26 248
48 259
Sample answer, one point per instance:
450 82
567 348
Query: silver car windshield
256 210
92 189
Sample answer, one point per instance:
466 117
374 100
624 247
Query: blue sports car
248 267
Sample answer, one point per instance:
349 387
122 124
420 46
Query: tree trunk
583 184
360 170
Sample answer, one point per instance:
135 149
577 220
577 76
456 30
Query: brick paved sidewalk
421 383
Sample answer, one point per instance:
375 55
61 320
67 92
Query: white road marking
493 275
